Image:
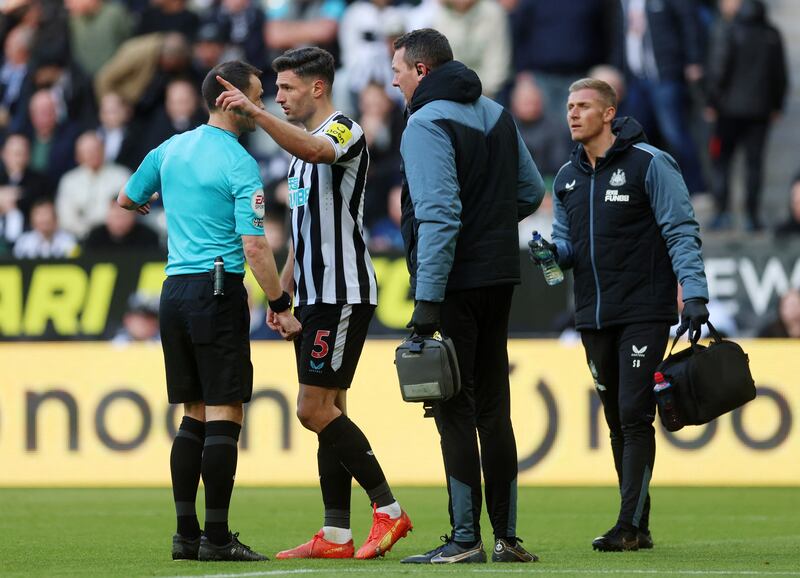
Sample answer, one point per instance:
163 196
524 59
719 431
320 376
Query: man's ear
319 88
609 114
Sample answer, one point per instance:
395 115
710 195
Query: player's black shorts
330 344
206 340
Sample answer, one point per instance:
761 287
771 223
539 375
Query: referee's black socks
184 464
352 448
220 454
335 482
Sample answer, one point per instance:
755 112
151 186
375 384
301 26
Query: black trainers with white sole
450 553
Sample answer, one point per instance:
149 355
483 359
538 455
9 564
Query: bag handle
684 327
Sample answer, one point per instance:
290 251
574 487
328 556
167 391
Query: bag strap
684 327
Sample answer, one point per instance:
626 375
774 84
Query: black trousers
622 360
477 322
752 135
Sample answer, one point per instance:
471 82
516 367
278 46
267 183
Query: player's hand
145 209
234 99
534 254
272 320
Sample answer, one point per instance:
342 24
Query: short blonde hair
607 93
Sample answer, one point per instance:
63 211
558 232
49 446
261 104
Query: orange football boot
318 547
384 533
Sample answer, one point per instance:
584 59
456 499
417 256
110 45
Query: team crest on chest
618 178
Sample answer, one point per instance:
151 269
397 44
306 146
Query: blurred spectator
788 322
181 112
14 72
97 29
747 85
52 142
209 50
120 232
12 222
364 41
614 78
382 122
385 234
662 54
168 16
479 34
296 23
791 226
140 322
543 137
46 240
275 228
242 23
31 185
142 68
115 131
85 191
559 41
70 87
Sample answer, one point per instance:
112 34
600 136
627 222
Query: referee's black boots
233 551
184 548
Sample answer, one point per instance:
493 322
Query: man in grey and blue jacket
468 181
624 224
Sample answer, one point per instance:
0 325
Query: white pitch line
527 570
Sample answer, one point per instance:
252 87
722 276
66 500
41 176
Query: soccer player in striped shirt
333 280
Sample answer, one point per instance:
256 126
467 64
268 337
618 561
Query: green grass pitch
127 532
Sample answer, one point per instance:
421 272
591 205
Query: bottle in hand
665 398
553 274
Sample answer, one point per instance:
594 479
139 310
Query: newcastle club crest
618 178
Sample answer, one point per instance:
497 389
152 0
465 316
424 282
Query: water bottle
547 261
665 397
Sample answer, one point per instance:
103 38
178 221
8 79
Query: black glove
533 249
425 320
695 315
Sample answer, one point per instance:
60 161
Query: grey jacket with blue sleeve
628 231
468 181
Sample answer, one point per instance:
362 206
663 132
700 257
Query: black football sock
184 464
352 448
220 455
335 482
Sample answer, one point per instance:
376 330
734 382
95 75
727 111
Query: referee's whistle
219 277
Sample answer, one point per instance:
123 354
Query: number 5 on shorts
319 342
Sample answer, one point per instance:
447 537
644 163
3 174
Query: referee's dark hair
426 45
309 61
236 72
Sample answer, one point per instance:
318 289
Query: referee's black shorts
206 340
330 344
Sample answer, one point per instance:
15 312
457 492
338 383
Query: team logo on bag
618 178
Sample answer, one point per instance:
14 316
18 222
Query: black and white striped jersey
332 264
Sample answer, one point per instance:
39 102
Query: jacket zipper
591 251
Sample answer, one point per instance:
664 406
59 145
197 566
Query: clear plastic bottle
665 398
553 274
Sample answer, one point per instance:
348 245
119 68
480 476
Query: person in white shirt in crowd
12 221
46 240
84 192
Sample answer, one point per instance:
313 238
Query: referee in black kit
214 202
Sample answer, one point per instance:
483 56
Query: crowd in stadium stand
88 87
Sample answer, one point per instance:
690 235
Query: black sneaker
507 551
233 551
617 539
184 548
645 539
450 553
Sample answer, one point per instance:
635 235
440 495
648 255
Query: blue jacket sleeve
530 185
669 199
561 229
429 158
